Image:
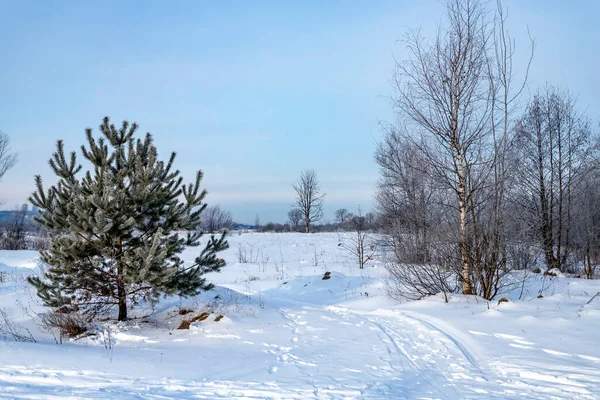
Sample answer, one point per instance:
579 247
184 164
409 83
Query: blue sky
251 93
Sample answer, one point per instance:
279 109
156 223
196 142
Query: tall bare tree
309 197
454 98
442 91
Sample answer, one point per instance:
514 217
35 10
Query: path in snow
333 352
300 350
402 354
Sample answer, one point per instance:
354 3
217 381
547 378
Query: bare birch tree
454 99
442 92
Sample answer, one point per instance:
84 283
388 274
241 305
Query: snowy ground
288 334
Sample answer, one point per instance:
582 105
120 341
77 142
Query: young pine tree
120 227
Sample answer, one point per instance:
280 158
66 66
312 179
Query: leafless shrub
247 254
11 330
69 325
361 245
414 282
242 254
108 342
15 278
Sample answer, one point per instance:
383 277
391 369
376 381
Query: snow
18 258
288 334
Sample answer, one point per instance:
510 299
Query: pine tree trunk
122 302
121 292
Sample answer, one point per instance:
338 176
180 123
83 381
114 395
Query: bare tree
443 92
295 216
8 159
416 281
342 216
214 219
454 99
309 197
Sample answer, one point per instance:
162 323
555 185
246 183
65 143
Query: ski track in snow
441 367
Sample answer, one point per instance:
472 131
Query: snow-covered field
288 334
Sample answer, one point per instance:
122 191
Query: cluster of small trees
473 185
555 192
